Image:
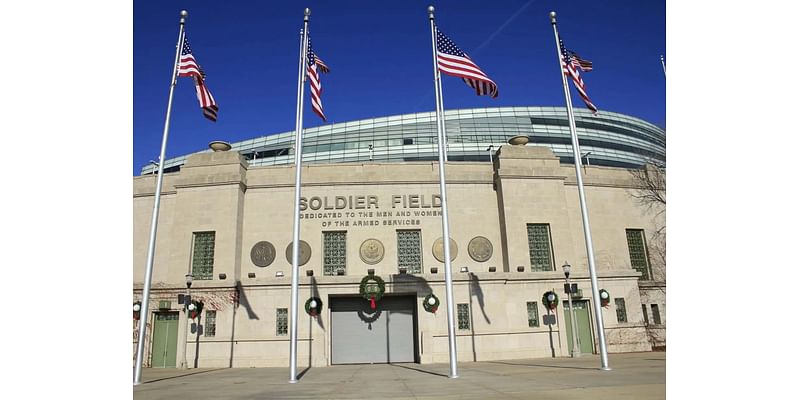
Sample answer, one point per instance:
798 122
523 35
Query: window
622 315
335 252
463 316
533 314
656 314
409 251
541 251
638 252
644 312
282 322
211 323
203 255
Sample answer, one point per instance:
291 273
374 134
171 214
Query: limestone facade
217 192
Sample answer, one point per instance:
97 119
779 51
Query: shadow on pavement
537 365
419 370
181 375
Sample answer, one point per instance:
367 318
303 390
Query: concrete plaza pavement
639 376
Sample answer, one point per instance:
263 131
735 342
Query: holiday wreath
372 288
550 300
430 303
314 306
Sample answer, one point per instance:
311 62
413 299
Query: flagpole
148 274
663 66
298 158
448 276
576 151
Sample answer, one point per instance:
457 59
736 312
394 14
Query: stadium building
371 219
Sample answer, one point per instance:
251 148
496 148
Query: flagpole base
452 376
293 381
606 369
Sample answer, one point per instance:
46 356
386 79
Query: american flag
578 62
315 64
452 61
570 66
187 66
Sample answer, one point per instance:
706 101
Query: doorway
584 327
165 340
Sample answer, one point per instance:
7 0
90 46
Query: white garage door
362 335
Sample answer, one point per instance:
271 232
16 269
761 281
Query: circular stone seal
371 251
304 256
480 249
438 249
262 254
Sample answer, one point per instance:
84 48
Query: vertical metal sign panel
358 335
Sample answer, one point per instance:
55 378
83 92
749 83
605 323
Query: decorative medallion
371 251
262 254
480 249
438 249
304 256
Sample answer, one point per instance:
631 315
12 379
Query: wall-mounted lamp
520 268
251 274
222 275
279 274
492 269
434 270
309 272
464 269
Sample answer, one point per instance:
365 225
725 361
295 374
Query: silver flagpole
448 276
298 159
663 65
148 274
576 151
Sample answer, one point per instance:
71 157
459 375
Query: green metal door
165 340
584 329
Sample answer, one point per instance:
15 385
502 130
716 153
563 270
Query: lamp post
587 157
489 149
576 349
370 152
185 312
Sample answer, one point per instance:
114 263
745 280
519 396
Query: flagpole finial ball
184 13
552 16
431 9
307 11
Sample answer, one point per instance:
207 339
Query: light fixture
492 269
189 280
222 275
403 270
309 272
520 268
434 270
464 269
251 274
566 267
137 307
279 274
371 271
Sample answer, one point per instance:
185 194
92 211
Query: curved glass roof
606 139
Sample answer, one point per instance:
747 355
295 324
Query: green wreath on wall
604 297
430 303
550 300
194 308
314 306
372 291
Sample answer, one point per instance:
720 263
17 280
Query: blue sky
381 61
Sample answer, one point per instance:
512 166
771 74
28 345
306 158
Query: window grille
409 251
463 316
644 312
638 252
211 323
656 314
335 252
203 256
533 314
622 314
540 248
282 322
